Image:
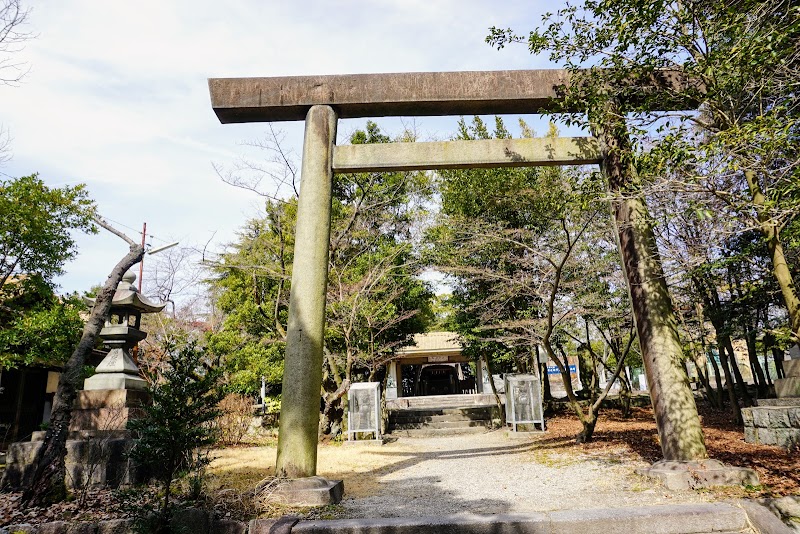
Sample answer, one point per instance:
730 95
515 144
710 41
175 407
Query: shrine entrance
322 100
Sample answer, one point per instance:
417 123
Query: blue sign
553 370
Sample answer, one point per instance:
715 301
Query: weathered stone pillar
302 375
675 411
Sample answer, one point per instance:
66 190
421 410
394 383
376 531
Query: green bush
179 423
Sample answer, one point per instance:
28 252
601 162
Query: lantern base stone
114 381
309 491
363 442
697 474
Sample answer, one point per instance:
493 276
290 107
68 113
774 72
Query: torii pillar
305 336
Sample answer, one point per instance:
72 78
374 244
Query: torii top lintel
288 98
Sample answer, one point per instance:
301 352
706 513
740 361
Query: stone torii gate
322 100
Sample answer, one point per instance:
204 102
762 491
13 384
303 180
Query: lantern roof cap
128 296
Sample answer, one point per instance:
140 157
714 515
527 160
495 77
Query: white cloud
117 94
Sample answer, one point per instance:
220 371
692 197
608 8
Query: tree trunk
755 365
48 483
737 374
491 385
543 377
675 411
729 385
780 268
625 393
778 355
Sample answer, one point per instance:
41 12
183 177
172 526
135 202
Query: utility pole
141 263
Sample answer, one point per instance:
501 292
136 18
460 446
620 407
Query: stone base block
698 474
788 387
791 367
114 381
93 462
309 491
363 442
103 398
106 409
776 423
778 402
524 434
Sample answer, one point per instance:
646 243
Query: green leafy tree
524 247
178 424
251 290
740 60
375 302
36 240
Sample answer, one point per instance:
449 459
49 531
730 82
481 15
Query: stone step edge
439 418
664 519
441 410
718 518
441 425
438 432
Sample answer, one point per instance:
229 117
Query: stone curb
665 519
762 519
669 519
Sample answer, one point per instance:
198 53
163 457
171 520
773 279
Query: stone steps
440 401
427 432
777 421
441 421
412 419
443 424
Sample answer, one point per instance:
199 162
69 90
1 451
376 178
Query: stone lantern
120 334
98 440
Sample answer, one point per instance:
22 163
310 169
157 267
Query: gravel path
495 473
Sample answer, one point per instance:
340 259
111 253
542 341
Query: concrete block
766 436
747 416
115 526
779 402
192 520
670 519
103 398
699 474
114 418
760 417
778 417
283 525
228 526
536 523
82 527
788 506
791 367
56 527
309 491
750 435
260 526
102 462
763 519
787 437
793 412
102 381
363 442
787 387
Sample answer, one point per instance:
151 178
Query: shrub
185 394
236 414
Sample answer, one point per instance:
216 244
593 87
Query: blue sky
117 96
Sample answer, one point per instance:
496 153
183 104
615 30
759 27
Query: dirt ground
377 479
